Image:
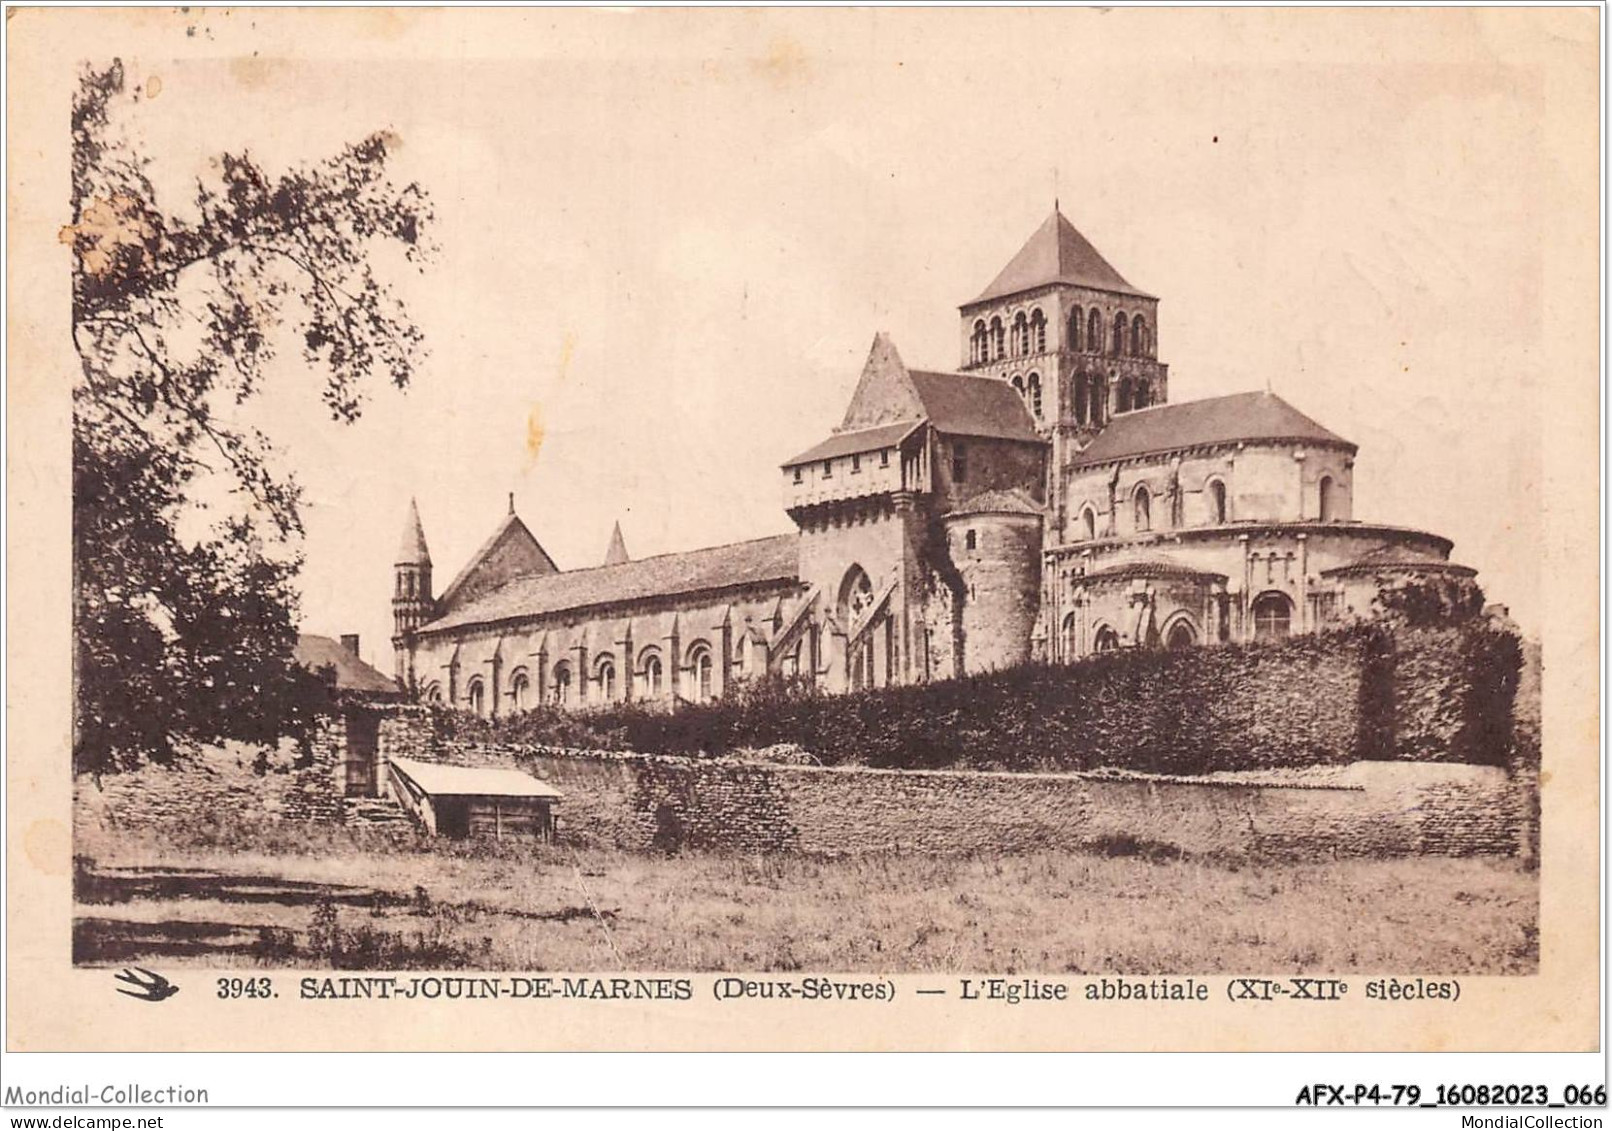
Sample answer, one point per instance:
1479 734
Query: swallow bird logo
147 986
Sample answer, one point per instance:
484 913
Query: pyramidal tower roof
617 553
1057 253
412 549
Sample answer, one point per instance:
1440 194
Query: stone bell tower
412 602
1078 342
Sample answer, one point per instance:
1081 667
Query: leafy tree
186 534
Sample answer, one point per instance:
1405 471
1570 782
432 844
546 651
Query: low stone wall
238 782
639 802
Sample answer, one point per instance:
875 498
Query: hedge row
1363 693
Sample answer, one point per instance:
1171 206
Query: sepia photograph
1052 502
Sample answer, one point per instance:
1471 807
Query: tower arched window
1021 335
1124 394
1120 326
1099 399
998 340
1088 523
1081 407
1139 346
978 344
1326 505
1033 386
1217 502
1038 331
1142 395
1273 616
1142 506
1094 332
1073 344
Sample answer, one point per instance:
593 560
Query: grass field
367 900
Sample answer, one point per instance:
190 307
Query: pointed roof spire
617 552
412 549
1057 253
885 393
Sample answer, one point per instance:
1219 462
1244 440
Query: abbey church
1045 501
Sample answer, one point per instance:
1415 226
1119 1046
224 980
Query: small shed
461 801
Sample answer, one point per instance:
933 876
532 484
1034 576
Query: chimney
349 641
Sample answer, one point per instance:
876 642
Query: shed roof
1214 420
763 560
473 781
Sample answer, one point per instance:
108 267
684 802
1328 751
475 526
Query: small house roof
352 673
439 780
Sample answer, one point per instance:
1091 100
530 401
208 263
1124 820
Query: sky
668 239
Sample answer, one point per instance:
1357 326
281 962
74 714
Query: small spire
512 502
616 554
412 549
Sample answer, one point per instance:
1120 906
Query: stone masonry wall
642 802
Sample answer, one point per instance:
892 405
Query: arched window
1106 640
1099 399
1021 335
971 541
1118 344
1142 397
1124 394
1139 337
1071 637
1180 636
433 693
1038 331
476 693
604 674
856 596
562 683
978 350
1094 332
520 691
1273 616
1088 523
1217 502
1034 386
1081 408
699 666
650 676
1142 504
998 340
1073 344
1324 499
1018 385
